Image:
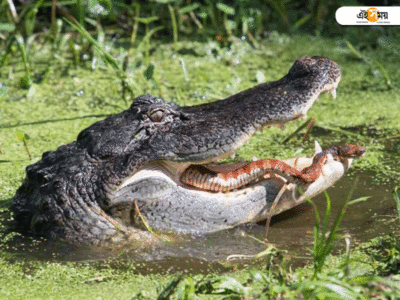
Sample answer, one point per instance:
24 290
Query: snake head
351 150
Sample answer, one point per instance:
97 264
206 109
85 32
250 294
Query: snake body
204 178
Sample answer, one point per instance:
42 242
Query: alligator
123 175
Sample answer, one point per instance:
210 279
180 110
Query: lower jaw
183 209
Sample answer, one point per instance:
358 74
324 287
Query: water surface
291 230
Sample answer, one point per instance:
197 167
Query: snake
206 178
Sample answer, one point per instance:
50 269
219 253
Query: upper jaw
221 127
332 87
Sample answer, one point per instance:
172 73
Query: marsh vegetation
66 64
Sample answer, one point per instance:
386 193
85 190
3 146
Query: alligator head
126 169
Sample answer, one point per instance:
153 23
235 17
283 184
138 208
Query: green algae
66 281
65 99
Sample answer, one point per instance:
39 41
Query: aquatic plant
323 238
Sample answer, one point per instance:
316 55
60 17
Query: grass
53 84
323 239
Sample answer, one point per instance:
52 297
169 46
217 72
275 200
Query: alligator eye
157 116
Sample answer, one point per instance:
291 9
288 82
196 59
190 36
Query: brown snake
204 178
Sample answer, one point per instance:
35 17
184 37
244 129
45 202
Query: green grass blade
322 244
170 288
318 243
189 8
358 200
300 22
325 223
396 198
371 61
354 50
332 235
8 50
174 24
146 38
335 227
13 11
107 57
384 73
317 221
80 9
30 18
135 23
337 222
7 27
322 248
26 81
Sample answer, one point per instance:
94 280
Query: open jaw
183 192
201 210
153 165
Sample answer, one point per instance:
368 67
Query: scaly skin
91 189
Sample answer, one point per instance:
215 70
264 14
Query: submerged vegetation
67 64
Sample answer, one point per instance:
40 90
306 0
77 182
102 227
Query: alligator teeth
333 92
317 148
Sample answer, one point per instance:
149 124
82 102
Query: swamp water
291 231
